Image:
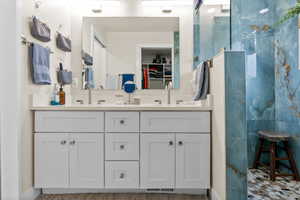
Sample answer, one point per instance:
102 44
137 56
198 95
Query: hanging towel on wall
202 81
40 64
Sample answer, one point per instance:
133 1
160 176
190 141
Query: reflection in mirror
214 34
144 50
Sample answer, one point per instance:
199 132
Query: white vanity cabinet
69 149
158 161
86 161
184 156
192 161
122 150
175 150
69 160
51 160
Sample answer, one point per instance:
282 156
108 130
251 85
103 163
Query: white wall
122 49
218 128
54 13
134 8
10 88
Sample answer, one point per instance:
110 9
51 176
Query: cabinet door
86 160
192 161
51 160
157 161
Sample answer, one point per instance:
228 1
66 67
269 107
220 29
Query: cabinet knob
122 176
171 143
122 147
122 122
63 142
72 142
180 143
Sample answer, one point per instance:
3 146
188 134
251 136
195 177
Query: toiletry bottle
54 96
62 96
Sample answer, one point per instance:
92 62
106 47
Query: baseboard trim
30 194
214 195
74 191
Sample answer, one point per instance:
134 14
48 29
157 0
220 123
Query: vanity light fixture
97 9
166 10
211 10
167 3
216 2
99 4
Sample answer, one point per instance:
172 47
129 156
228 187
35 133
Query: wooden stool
275 139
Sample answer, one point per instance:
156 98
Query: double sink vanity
122 147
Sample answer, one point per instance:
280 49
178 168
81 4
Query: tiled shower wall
252 35
272 69
287 78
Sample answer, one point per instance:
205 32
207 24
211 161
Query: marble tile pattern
250 34
261 188
287 81
236 133
121 197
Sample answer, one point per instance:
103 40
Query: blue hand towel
40 63
202 82
90 83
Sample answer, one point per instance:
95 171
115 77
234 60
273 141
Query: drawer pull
122 176
122 122
63 142
171 143
72 142
180 143
122 147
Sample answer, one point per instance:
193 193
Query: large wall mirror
140 49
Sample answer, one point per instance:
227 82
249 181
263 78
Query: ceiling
134 24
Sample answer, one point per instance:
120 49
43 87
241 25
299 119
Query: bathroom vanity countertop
123 108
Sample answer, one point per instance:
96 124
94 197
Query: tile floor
261 188
121 197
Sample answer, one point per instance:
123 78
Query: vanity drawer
191 122
122 122
69 121
122 146
119 175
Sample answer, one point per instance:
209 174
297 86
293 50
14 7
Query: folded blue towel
40 63
89 78
202 82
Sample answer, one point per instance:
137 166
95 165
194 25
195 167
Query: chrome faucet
169 88
90 96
